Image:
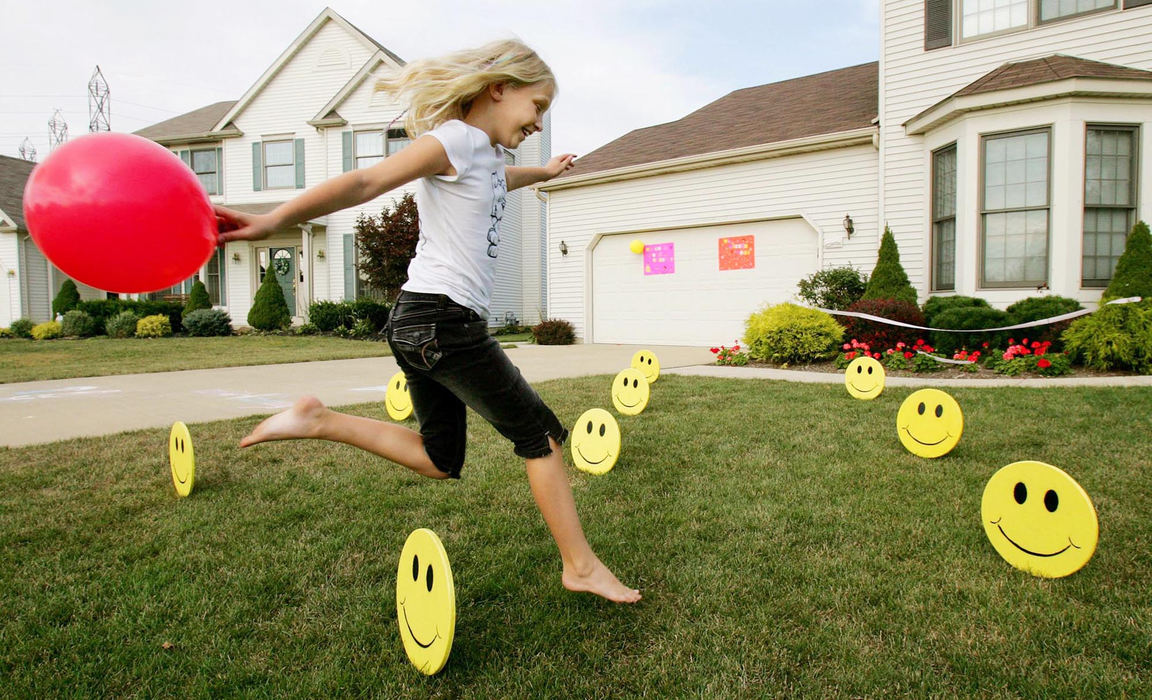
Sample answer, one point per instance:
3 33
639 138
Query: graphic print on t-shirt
499 197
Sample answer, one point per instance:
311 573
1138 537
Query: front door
284 266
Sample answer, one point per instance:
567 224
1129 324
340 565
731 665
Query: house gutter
779 149
202 137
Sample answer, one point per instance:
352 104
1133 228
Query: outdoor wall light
848 225
236 257
320 254
563 248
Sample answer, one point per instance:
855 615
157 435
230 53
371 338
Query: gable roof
825 103
191 126
14 174
326 16
1048 69
328 116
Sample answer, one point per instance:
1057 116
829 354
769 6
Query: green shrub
372 311
330 315
66 299
1113 337
361 329
889 281
554 331
789 334
158 326
103 309
22 328
306 329
881 336
7 333
833 288
198 299
269 310
77 323
207 323
939 304
1133 276
1036 308
46 331
122 325
970 318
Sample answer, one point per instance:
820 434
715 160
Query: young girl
466 108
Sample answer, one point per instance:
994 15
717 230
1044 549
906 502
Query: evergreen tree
1133 276
269 310
889 281
66 299
198 299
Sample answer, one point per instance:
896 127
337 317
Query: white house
312 115
1001 140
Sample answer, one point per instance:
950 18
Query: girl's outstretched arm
522 177
423 157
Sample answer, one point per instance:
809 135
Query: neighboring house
311 116
25 276
1003 143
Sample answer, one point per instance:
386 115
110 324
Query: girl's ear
496 91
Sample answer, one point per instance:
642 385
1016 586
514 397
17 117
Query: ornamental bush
77 323
208 323
103 309
882 335
122 325
939 304
834 288
554 331
66 299
1113 337
789 334
1036 308
269 310
22 328
46 331
1133 276
889 281
374 313
158 326
970 318
198 299
330 315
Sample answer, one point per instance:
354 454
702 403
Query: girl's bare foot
300 421
601 581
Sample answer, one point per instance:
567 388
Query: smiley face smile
592 461
926 444
1029 551
416 639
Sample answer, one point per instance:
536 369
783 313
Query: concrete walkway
38 412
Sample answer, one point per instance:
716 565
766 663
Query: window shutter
299 164
938 24
349 268
257 167
348 165
186 156
219 171
1136 3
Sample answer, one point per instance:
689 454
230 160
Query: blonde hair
440 89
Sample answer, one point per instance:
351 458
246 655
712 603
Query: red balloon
120 213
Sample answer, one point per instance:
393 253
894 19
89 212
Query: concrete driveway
37 412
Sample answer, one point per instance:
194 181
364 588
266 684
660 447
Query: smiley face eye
920 408
603 427
1051 501
860 369
429 578
1020 493
939 411
635 383
415 568
869 370
589 427
625 382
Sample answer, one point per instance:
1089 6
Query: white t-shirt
460 219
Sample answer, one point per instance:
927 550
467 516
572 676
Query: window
1014 209
944 219
1059 9
1109 200
984 17
397 140
279 165
212 275
369 147
207 169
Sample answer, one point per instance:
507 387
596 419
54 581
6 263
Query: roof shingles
14 174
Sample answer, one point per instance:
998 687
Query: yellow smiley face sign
646 362
181 458
630 392
595 441
929 423
1039 519
864 378
425 601
396 399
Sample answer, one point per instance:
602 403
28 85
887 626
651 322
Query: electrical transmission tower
99 105
59 130
28 151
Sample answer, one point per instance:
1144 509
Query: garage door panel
697 304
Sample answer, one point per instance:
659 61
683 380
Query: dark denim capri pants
450 362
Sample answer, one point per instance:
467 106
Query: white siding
913 79
9 280
786 187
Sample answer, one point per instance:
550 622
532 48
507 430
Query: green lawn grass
27 360
785 542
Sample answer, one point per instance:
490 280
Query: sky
621 64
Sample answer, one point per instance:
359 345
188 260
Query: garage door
696 286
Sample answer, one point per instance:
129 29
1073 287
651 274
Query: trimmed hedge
46 331
1036 308
208 323
554 331
881 336
789 334
103 309
157 326
938 305
971 317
